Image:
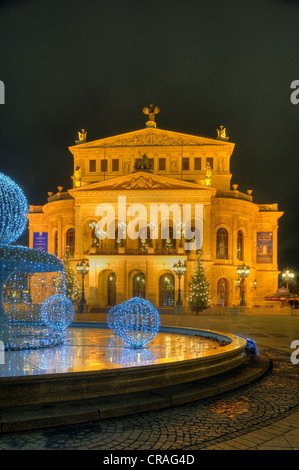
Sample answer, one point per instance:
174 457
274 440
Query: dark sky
94 64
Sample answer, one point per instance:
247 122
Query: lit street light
83 269
179 268
243 272
287 276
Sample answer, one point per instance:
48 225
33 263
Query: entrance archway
166 290
111 289
139 285
222 292
107 289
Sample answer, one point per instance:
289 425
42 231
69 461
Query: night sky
94 64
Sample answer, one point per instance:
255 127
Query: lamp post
181 232
82 268
243 272
287 276
179 269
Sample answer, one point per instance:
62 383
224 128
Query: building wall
231 214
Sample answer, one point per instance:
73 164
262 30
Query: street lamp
287 276
179 269
82 268
181 232
243 272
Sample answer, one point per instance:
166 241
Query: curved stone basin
93 363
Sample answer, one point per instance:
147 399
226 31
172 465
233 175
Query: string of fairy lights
34 311
136 322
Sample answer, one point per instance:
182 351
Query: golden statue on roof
151 111
222 133
82 135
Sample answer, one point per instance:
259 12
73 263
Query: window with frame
162 164
115 164
211 162
70 240
197 163
92 165
103 165
240 245
222 244
185 163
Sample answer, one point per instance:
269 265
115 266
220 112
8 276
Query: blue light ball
57 312
136 322
13 210
111 316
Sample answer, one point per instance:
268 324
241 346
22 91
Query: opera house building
152 166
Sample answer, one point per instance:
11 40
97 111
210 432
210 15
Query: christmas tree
71 281
199 288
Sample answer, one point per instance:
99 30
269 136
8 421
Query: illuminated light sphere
111 316
57 312
13 210
137 322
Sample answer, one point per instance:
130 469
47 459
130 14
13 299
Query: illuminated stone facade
235 229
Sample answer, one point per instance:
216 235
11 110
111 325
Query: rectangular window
197 163
151 162
211 162
162 164
103 165
185 164
115 164
92 165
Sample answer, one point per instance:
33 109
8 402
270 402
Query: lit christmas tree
199 288
73 291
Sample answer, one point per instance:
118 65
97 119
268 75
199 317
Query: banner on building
40 241
264 247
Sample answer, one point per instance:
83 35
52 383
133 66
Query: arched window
139 285
56 243
240 245
112 289
166 290
70 240
222 244
222 292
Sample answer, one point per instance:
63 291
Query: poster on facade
264 247
40 241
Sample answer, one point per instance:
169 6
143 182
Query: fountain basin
92 364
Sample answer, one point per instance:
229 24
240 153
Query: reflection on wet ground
88 349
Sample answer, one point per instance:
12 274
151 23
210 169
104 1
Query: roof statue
151 111
222 133
81 136
143 164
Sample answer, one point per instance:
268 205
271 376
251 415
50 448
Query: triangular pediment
152 137
140 180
